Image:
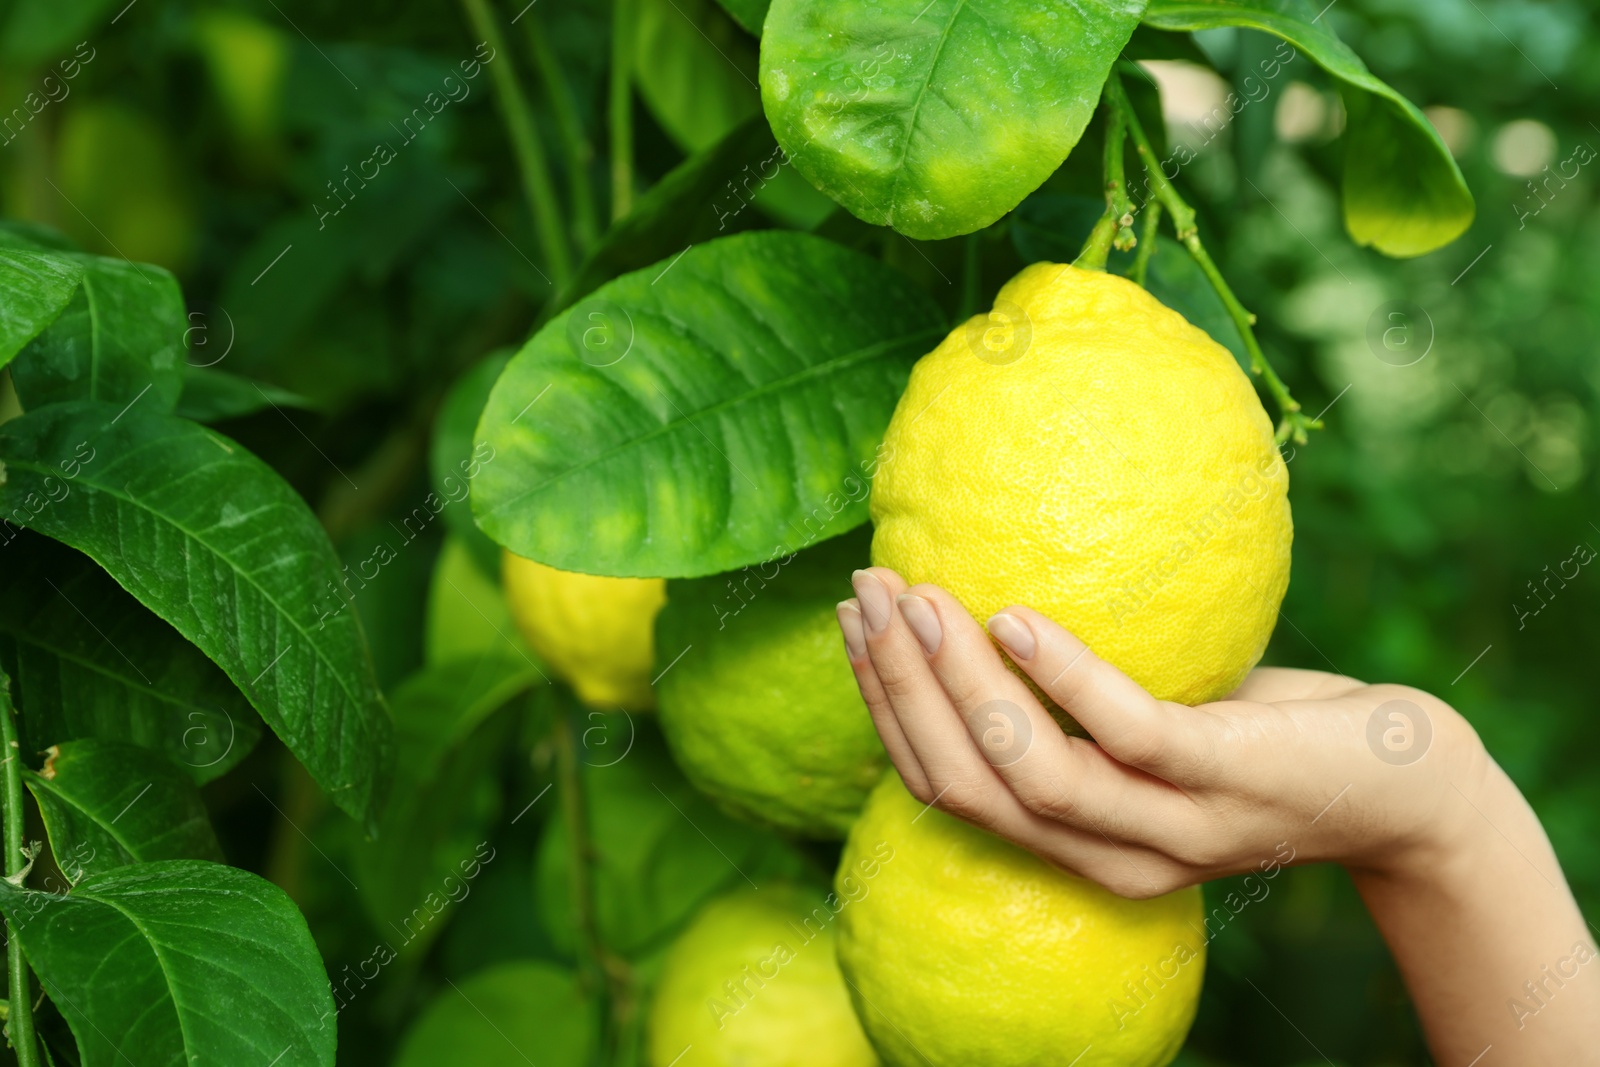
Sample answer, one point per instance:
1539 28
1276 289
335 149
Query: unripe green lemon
596 632
963 950
753 982
1083 450
758 703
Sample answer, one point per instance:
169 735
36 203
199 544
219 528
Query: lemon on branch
1085 451
963 950
594 631
753 982
759 706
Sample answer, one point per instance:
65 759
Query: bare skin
1388 781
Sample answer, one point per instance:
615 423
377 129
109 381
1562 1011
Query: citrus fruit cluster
1081 449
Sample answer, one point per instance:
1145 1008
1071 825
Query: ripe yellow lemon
594 631
753 982
758 704
963 950
1083 450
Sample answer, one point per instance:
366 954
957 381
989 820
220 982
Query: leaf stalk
1292 423
1147 245
1113 227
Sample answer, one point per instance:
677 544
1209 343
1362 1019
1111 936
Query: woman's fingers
1127 869
1123 719
976 731
972 740
917 701
955 778
853 626
1067 779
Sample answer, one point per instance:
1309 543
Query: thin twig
1293 423
1147 244
620 109
607 975
1113 225
537 185
971 277
575 144
19 1024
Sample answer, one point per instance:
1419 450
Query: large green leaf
179 962
702 414
214 541
446 796
695 69
35 30
661 848
696 201
120 339
34 237
1403 193
88 660
107 804
452 461
211 395
514 1013
748 13
468 618
34 289
936 117
437 709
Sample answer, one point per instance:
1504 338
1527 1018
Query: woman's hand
1165 795
1295 766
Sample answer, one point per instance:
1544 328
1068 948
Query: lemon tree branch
534 170
575 144
19 1022
1292 423
604 975
1112 228
1147 244
619 109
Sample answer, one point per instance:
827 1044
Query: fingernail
874 597
923 620
1013 633
855 639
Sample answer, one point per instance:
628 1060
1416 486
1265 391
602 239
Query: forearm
1499 961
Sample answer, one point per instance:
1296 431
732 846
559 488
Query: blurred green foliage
1455 476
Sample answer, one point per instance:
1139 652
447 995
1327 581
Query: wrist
1479 911
1464 835
1457 821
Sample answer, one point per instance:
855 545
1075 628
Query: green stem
1147 244
606 975
971 277
19 1024
1112 227
575 145
620 109
537 185
1292 423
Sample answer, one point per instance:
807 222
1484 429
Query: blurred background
1444 519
